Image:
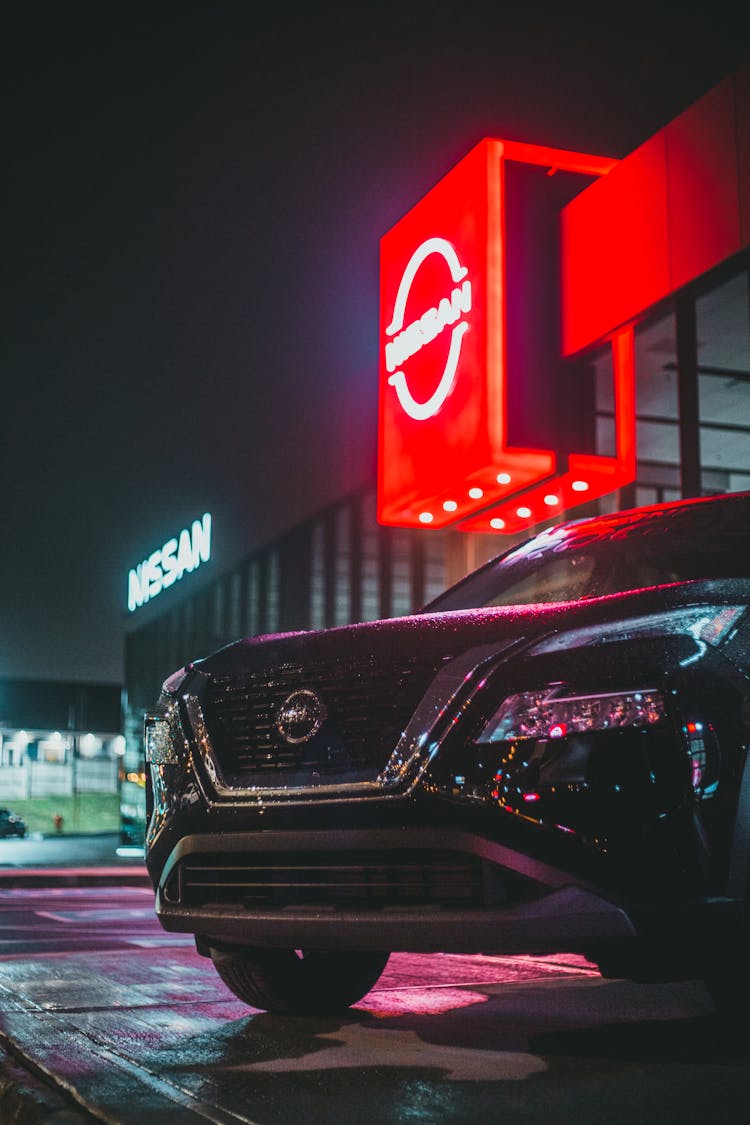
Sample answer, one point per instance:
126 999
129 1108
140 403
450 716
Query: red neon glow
588 476
558 159
531 796
443 451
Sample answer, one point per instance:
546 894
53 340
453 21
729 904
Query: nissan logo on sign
408 340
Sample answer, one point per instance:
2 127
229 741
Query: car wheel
298 982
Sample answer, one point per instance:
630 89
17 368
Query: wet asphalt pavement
106 1018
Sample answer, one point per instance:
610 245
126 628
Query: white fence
53 779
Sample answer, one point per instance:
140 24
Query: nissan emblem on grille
300 716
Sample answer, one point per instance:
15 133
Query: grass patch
84 812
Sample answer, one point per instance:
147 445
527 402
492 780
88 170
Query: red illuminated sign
467 361
444 453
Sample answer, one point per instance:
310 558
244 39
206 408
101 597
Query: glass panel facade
342 599
234 608
252 618
401 584
371 562
318 576
272 593
218 610
434 566
723 328
657 411
665 420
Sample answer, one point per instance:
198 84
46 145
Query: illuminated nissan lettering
409 340
180 555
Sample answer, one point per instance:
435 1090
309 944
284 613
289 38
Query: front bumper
493 899
226 889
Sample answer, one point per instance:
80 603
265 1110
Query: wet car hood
437 636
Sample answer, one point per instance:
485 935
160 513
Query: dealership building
561 334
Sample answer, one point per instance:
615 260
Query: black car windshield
629 551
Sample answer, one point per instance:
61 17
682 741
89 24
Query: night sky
195 194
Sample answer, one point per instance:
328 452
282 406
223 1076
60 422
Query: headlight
544 714
707 625
158 742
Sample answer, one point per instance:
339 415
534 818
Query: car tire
298 982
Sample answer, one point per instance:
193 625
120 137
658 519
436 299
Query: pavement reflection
128 1024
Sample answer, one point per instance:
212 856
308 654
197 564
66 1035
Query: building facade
59 739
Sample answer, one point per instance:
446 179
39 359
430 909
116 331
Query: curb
26 1100
73 876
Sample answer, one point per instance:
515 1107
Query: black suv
551 756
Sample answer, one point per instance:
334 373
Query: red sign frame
443 454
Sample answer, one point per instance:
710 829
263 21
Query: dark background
194 198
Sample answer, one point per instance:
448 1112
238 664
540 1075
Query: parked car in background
551 756
11 824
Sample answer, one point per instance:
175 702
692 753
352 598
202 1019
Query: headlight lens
543 714
158 743
708 625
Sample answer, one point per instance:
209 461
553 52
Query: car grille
367 704
358 879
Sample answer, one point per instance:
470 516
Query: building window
371 560
434 566
658 468
317 576
252 619
401 586
188 626
342 598
272 593
723 335
234 608
218 610
692 395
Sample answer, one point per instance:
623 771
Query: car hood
439 636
